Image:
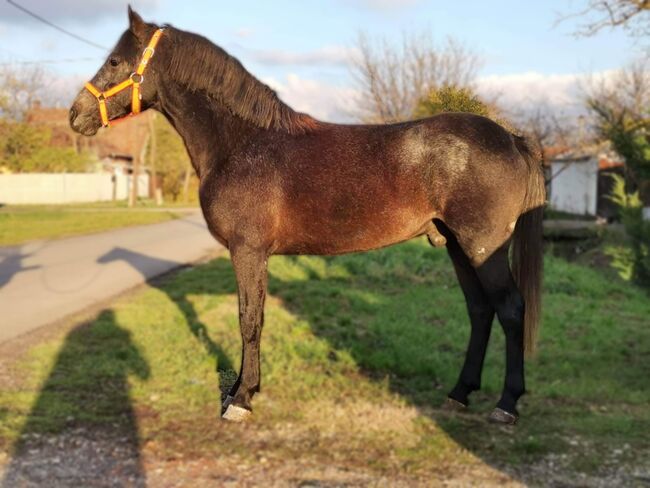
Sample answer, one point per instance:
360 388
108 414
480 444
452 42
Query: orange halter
134 80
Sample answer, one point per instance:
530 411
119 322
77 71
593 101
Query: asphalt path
42 282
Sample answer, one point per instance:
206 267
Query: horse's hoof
226 403
500 416
452 405
234 413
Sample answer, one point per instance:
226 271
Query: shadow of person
11 263
144 264
82 429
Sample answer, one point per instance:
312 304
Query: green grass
378 335
24 223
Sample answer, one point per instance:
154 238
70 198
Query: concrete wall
574 188
30 188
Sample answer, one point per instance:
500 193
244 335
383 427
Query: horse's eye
113 62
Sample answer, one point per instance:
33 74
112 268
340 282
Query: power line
60 29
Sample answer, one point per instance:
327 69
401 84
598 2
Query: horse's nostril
73 114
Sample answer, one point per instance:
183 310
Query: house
578 183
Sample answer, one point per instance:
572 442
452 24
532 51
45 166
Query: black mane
200 65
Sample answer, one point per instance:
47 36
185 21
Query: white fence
29 188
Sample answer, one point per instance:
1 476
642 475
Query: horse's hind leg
251 271
481 314
508 302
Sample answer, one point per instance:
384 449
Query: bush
633 265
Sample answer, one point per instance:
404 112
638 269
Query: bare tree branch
632 15
392 78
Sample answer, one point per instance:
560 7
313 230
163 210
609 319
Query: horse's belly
321 236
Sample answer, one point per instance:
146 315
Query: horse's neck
210 132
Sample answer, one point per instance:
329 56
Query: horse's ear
136 24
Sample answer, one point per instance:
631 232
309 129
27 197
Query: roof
602 153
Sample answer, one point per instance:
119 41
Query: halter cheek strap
134 80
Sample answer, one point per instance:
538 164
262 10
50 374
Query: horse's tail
527 252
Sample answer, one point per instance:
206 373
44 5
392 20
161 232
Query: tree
25 148
393 78
19 88
632 15
621 111
172 162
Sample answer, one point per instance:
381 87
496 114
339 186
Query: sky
302 48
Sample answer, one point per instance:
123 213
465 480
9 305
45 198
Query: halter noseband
134 80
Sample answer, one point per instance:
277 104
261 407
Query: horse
275 181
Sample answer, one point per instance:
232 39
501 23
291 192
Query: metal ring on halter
136 74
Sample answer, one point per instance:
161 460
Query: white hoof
234 413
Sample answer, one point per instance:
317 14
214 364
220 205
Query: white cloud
63 10
327 55
526 91
324 101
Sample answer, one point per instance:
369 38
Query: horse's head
114 86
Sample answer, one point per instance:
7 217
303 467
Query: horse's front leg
250 266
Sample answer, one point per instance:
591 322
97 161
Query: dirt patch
105 458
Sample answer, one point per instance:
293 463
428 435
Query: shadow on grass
400 314
82 427
87 385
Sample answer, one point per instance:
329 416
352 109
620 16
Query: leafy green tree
26 148
636 265
451 98
170 159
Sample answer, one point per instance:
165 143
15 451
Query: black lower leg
470 376
508 302
481 315
511 316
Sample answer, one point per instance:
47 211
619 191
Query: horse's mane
200 65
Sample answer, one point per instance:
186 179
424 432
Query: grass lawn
19 224
358 353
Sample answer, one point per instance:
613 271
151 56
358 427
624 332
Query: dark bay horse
274 181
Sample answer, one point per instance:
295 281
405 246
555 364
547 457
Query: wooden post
135 169
137 162
157 191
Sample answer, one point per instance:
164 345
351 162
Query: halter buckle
136 77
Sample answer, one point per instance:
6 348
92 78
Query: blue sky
300 47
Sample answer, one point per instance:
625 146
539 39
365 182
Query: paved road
44 281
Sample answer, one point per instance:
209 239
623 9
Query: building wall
53 188
574 188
